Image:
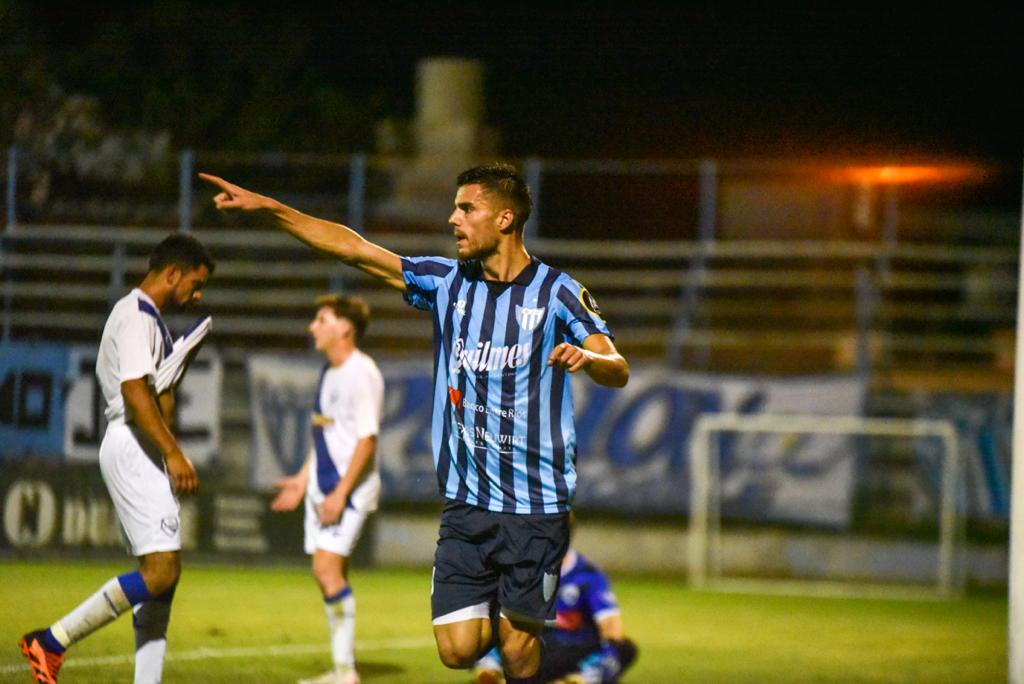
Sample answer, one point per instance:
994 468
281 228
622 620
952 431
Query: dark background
592 79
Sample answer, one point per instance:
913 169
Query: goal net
896 480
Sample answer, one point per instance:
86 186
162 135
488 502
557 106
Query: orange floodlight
906 175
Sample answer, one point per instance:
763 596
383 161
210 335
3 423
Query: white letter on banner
30 513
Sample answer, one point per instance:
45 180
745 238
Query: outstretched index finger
219 182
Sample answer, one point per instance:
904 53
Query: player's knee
161 572
521 658
456 659
457 655
328 578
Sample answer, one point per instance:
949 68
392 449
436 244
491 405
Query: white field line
241 652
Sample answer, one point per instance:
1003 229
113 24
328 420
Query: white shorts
141 493
339 538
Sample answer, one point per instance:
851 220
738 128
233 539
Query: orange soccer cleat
45 663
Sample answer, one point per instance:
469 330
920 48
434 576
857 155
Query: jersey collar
472 270
145 297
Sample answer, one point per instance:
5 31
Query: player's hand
182 473
569 357
330 510
234 198
289 494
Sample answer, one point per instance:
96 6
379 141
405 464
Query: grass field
259 624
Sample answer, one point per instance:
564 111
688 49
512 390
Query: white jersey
348 408
135 340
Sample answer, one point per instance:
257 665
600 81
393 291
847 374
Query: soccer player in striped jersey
508 329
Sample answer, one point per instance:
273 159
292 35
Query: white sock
150 621
98 610
341 625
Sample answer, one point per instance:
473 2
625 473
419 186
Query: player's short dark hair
180 250
355 309
504 180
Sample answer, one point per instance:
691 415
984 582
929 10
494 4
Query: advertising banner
32 382
48 507
633 443
984 427
281 392
197 407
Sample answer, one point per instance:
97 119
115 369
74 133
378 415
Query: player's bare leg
520 647
460 644
330 570
156 577
160 571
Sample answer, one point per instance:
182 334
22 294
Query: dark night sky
643 80
720 78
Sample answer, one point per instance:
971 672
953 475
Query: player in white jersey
142 464
340 479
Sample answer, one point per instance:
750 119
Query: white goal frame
704 552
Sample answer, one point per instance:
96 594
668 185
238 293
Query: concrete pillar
449 106
449 136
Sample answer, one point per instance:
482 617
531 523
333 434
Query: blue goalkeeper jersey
585 598
503 431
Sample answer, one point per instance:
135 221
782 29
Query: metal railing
686 293
828 306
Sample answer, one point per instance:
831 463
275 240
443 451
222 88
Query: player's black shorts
482 555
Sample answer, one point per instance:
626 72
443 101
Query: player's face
477 223
328 329
189 288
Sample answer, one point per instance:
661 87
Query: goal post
704 538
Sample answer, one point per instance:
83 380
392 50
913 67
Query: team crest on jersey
169 525
569 593
319 420
550 584
529 318
589 303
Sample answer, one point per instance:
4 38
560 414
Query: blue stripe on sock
50 642
347 591
133 587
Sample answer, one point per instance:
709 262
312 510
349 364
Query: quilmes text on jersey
485 357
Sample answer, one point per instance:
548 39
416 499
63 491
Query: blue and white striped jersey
503 431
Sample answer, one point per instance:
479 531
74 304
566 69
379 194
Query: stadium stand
774 307
933 311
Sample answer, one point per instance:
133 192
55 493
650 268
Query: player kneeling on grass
344 486
141 462
587 644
